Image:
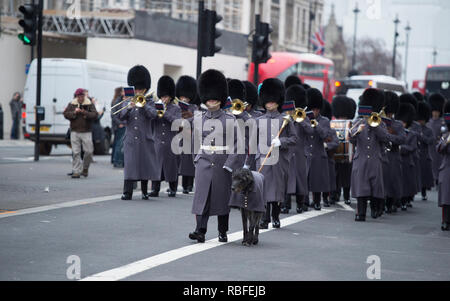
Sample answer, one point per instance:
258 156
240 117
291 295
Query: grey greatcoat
210 174
317 158
367 172
407 151
298 170
436 158
167 161
392 165
275 173
444 173
332 145
138 144
425 140
186 167
255 199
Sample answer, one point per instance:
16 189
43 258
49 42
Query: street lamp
396 22
355 11
435 53
407 29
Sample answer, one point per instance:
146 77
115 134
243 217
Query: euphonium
299 115
237 106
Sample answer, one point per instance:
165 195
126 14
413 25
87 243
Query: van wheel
45 148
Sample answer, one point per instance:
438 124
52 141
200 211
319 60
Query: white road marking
172 255
346 207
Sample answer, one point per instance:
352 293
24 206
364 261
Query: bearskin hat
419 96
406 113
251 93
326 110
292 80
340 107
186 87
236 89
352 108
314 99
409 98
212 85
166 87
297 94
139 78
391 102
423 111
436 101
272 90
306 86
372 97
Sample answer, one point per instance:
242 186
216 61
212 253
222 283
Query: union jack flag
318 42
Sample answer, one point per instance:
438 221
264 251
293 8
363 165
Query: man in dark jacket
81 112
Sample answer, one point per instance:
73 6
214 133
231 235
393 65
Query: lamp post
435 53
407 30
396 22
355 11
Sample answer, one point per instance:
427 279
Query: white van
60 79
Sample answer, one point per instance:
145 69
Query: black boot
199 237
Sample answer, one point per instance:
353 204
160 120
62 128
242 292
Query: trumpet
375 119
238 106
300 115
160 113
139 100
314 123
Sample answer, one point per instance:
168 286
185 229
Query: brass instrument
375 118
355 125
161 113
299 115
139 100
314 123
237 106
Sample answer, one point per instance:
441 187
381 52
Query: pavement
44 233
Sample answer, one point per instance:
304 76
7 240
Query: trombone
139 100
376 118
300 115
238 106
160 113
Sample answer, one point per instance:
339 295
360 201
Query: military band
394 149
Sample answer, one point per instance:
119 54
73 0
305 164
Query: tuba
139 100
237 106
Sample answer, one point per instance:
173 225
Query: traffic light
261 43
29 24
209 33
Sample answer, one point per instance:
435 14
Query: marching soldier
444 172
437 125
237 92
276 173
251 97
317 159
406 114
215 160
186 91
298 172
425 141
138 144
392 164
367 173
292 80
343 108
166 160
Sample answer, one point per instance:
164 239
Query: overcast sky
429 20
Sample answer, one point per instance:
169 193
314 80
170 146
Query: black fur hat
166 87
418 96
139 78
423 111
251 93
236 89
437 102
272 90
306 86
326 110
372 97
314 98
409 98
391 102
292 80
352 108
187 87
298 94
212 85
340 107
406 113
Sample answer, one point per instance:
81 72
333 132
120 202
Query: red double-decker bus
314 70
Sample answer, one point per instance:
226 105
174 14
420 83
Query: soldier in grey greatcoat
392 165
444 172
437 125
317 158
367 173
276 168
406 114
186 91
425 141
167 160
251 97
215 158
138 144
298 172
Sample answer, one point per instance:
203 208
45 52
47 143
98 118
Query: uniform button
162 142
368 157
163 133
135 118
212 164
136 109
135 127
368 147
164 124
311 145
312 137
368 138
135 138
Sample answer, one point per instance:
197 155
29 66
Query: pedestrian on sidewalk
16 114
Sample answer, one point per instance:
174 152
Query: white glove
246 166
228 169
276 142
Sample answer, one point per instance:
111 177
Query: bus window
438 74
309 69
391 87
289 71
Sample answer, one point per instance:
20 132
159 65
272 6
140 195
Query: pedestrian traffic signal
261 43
28 23
209 33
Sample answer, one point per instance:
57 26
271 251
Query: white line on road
172 255
346 207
